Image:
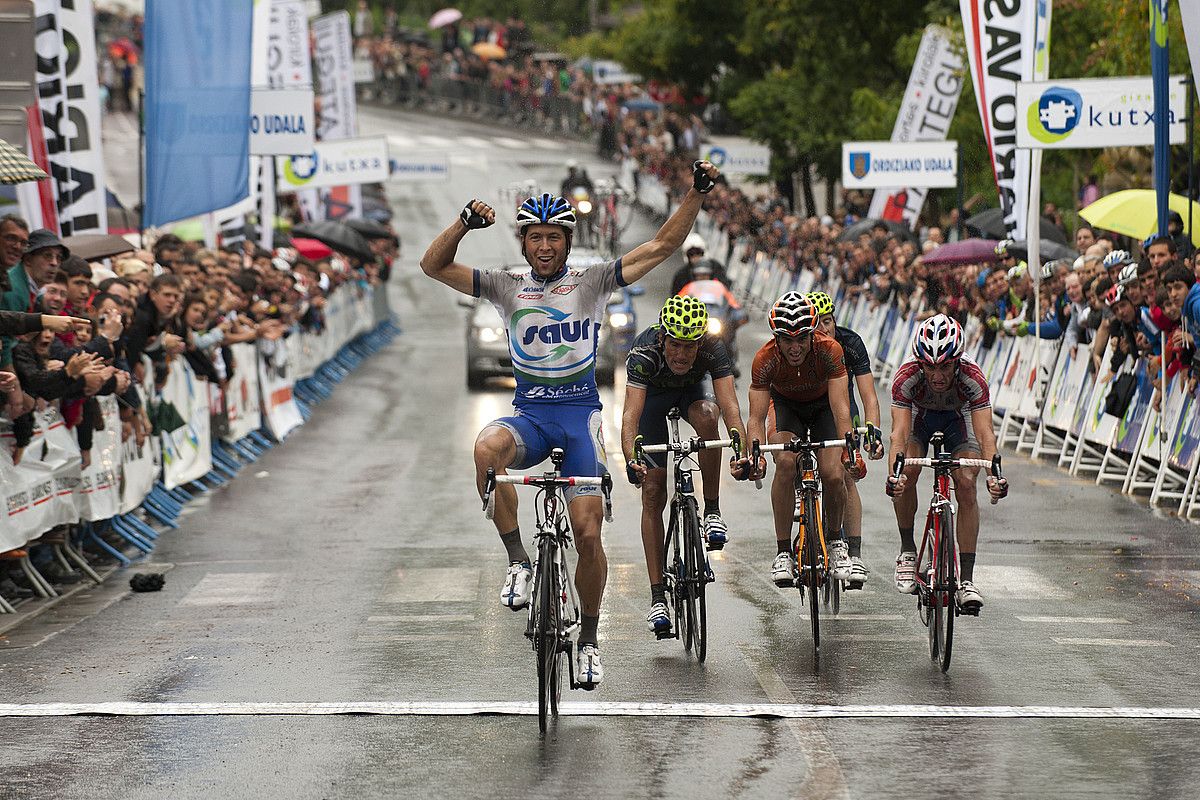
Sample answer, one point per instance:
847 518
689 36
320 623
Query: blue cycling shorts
578 430
955 426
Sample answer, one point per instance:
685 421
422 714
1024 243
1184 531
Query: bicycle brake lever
606 490
489 493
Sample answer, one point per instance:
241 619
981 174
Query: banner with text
925 113
338 163
333 56
1001 48
69 98
282 122
874 165
1096 112
187 450
737 155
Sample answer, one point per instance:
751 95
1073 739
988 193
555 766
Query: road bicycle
553 607
685 569
937 576
811 572
611 227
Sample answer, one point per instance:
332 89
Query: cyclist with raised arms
940 389
553 316
858 365
676 364
798 384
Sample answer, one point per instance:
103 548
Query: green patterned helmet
822 301
684 318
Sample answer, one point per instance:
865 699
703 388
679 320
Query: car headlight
619 319
489 335
714 325
584 207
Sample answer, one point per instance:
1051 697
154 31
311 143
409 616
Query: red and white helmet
938 340
793 315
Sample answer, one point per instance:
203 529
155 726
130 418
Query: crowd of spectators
74 331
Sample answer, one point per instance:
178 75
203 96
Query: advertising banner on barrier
39 493
1098 427
140 464
344 162
1096 112
1000 48
419 167
69 98
1066 387
1129 429
925 113
279 411
186 451
1186 441
243 411
878 165
100 484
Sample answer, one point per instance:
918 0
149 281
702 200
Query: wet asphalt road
353 564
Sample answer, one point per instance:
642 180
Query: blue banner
197 63
1160 73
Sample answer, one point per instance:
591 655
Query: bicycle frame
940 507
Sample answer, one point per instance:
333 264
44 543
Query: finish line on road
585 709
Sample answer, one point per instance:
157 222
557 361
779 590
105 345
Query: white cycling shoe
839 560
906 572
517 586
588 669
968 597
659 620
716 533
858 573
783 570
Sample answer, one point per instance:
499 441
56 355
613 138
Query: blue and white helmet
546 209
1117 258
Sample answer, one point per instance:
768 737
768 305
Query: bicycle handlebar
546 481
797 445
994 466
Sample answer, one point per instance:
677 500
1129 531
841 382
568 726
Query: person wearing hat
43 254
1175 232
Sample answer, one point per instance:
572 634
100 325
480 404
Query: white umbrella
445 17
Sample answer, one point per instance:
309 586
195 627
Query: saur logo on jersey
546 344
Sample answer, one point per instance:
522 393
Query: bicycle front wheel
810 572
545 632
697 580
948 579
689 531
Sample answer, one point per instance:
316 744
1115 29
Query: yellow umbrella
1134 212
487 50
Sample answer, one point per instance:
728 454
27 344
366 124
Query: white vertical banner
1189 12
925 114
1033 226
69 99
333 56
1000 47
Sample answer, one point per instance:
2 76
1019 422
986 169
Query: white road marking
472 141
512 144
401 141
235 589
825 778
1076 620
397 619
854 617
788 711
433 584
546 144
439 142
1114 642
1017 583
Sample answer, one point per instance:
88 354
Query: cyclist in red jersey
799 382
941 390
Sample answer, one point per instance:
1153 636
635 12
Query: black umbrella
370 229
1050 250
95 246
852 233
990 224
337 236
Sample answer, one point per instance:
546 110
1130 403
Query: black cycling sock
855 545
512 543
966 566
587 629
658 593
712 506
907 545
784 545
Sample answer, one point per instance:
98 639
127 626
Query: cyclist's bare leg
965 485
783 488
829 462
703 416
852 515
654 501
591 573
495 447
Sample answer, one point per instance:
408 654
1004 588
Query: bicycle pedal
784 584
853 585
971 611
713 547
667 634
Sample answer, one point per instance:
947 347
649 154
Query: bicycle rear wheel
947 562
545 631
697 569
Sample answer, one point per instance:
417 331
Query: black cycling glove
700 180
631 473
471 220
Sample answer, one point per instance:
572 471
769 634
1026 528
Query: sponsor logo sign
1096 112
872 165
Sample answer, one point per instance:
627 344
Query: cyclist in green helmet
858 364
677 364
